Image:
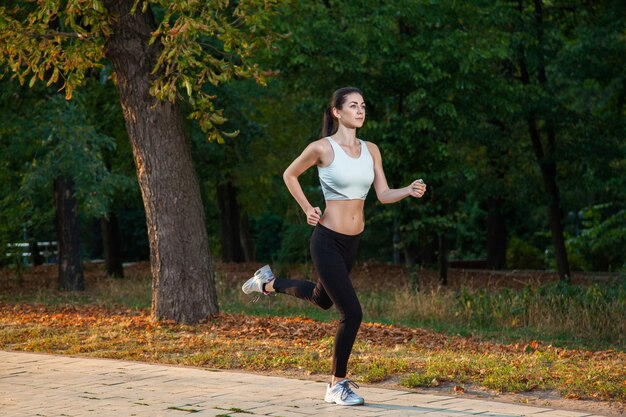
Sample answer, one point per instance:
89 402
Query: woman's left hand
417 188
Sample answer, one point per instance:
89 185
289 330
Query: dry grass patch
300 346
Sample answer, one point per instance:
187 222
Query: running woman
347 167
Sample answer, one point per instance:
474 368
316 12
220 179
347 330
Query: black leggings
333 255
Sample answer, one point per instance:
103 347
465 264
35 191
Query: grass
567 338
576 316
584 316
188 410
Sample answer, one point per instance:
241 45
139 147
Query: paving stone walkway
46 385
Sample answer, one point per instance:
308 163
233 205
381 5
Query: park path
47 385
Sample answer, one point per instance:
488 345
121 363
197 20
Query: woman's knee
322 302
320 298
353 315
358 315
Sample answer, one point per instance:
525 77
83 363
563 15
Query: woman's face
352 113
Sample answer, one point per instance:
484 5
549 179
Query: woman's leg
344 297
305 290
334 255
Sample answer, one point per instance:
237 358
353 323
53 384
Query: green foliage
52 42
404 88
202 44
603 234
268 236
69 147
295 244
42 137
598 240
445 103
522 255
208 44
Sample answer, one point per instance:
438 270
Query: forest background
511 112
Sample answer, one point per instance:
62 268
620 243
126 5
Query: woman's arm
309 157
385 194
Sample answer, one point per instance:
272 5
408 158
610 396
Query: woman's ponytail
329 123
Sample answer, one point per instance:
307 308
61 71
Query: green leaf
188 87
231 135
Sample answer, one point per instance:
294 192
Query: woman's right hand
313 216
417 188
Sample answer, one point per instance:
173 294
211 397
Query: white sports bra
347 178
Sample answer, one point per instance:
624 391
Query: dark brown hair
329 122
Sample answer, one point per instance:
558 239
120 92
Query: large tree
161 52
56 171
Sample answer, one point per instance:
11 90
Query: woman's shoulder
371 146
319 146
322 140
321 143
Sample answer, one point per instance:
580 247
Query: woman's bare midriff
344 216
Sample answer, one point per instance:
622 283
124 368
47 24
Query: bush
522 255
602 237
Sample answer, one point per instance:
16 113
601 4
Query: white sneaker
261 276
342 394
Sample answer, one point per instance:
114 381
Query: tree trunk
229 223
412 267
496 204
496 233
35 256
548 167
68 245
245 238
111 244
183 283
555 213
547 159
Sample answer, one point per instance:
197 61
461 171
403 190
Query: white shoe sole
345 404
250 285
330 401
